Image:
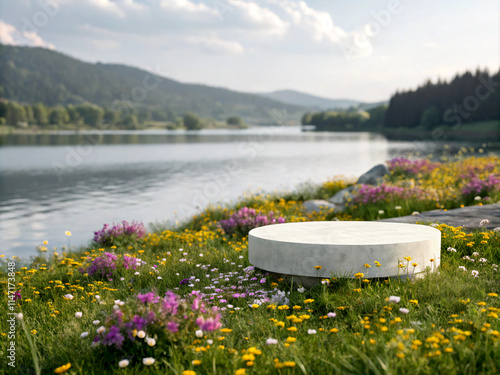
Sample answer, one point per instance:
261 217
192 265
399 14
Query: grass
343 325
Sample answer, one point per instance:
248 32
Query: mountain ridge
38 75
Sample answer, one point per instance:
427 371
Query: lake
66 181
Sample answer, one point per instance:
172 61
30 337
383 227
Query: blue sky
356 49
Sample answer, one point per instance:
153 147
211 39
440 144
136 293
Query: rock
316 205
467 217
374 176
342 197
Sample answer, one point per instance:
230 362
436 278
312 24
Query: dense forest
37 75
470 97
467 98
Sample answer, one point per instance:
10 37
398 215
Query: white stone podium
342 248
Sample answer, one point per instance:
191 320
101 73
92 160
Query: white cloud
318 24
213 45
10 35
255 15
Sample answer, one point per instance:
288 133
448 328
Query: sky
359 49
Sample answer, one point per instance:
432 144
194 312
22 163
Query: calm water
56 182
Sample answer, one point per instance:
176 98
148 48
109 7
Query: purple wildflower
173 327
107 235
148 298
246 219
113 337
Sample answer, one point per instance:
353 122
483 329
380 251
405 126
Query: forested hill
37 75
470 97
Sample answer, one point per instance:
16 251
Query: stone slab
342 248
467 217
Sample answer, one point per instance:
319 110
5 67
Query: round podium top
344 248
345 233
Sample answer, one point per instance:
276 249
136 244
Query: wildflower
101 329
359 275
484 222
123 363
475 273
63 368
196 362
292 329
311 331
289 364
68 296
310 300
67 233
331 315
414 301
248 357
380 212
199 333
492 294
148 361
96 322
397 207
334 330
151 342
301 290
226 330
462 268
188 372
291 339
415 213
271 341
148 298
394 299
367 265
403 310
141 334
317 267
78 314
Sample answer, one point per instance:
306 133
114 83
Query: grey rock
374 176
317 205
467 217
342 197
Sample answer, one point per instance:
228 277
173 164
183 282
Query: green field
445 322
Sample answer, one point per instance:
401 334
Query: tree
236 121
30 118
130 122
192 122
74 116
15 113
58 116
306 118
40 114
109 117
91 114
430 118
